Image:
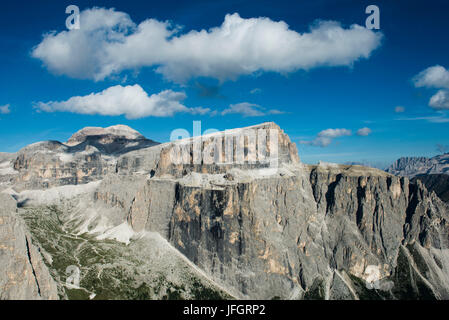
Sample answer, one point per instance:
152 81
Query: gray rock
413 166
24 274
439 183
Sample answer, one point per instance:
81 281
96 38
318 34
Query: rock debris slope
241 229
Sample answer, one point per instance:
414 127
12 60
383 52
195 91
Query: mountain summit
117 131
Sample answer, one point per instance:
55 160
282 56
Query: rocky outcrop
260 146
24 274
439 183
413 166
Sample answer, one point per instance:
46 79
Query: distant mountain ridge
413 166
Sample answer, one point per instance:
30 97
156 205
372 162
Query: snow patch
65 157
56 194
121 233
6 168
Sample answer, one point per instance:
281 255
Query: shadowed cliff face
307 227
436 182
293 231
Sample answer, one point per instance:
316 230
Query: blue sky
362 92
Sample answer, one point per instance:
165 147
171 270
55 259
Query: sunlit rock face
260 146
246 216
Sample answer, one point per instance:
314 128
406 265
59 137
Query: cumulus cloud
432 77
325 137
363 132
5 109
109 42
249 110
440 100
131 101
399 109
435 77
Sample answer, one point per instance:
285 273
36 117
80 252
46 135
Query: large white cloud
109 42
325 137
131 101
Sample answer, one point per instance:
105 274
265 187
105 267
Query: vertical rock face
364 216
303 230
435 182
260 146
24 274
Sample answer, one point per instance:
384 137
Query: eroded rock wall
24 275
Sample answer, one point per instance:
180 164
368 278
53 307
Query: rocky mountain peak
117 131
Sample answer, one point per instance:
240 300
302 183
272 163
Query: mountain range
413 166
110 215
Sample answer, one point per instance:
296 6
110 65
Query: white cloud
109 42
256 91
5 109
363 132
399 109
131 101
435 77
440 118
249 110
325 137
440 100
432 77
